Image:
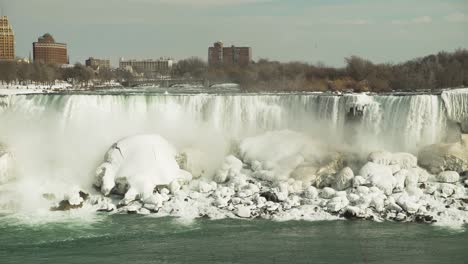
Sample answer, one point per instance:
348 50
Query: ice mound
136 165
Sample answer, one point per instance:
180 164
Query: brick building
219 55
7 40
47 51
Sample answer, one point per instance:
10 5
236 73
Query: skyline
298 30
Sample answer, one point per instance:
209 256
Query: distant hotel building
97 63
47 51
219 55
151 67
7 40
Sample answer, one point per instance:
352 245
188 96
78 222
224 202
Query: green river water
136 239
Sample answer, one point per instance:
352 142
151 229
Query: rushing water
134 239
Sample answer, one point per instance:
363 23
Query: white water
58 140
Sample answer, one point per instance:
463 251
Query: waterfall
403 123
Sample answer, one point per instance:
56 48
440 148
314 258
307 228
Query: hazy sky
305 30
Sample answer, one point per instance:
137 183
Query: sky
314 31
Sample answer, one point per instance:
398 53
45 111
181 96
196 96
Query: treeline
47 74
443 70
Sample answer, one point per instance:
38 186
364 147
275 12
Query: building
7 40
97 63
47 51
151 68
219 55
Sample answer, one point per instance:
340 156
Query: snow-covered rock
404 160
311 192
344 179
327 193
448 177
144 161
379 175
445 157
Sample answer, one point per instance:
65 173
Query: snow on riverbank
12 89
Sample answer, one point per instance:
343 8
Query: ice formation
261 181
135 165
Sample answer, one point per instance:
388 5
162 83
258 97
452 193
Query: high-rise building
7 40
219 55
47 51
97 63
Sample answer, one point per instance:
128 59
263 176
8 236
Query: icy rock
408 203
337 203
447 189
311 192
131 195
445 157
344 179
404 160
144 211
379 175
327 193
353 198
362 190
174 186
205 187
422 174
243 211
358 181
400 178
393 207
155 199
381 157
221 202
448 177
144 161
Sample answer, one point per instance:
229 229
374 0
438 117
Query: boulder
445 157
448 177
311 192
379 175
270 196
243 211
327 193
337 203
344 179
403 160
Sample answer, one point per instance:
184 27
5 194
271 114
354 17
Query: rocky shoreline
296 185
